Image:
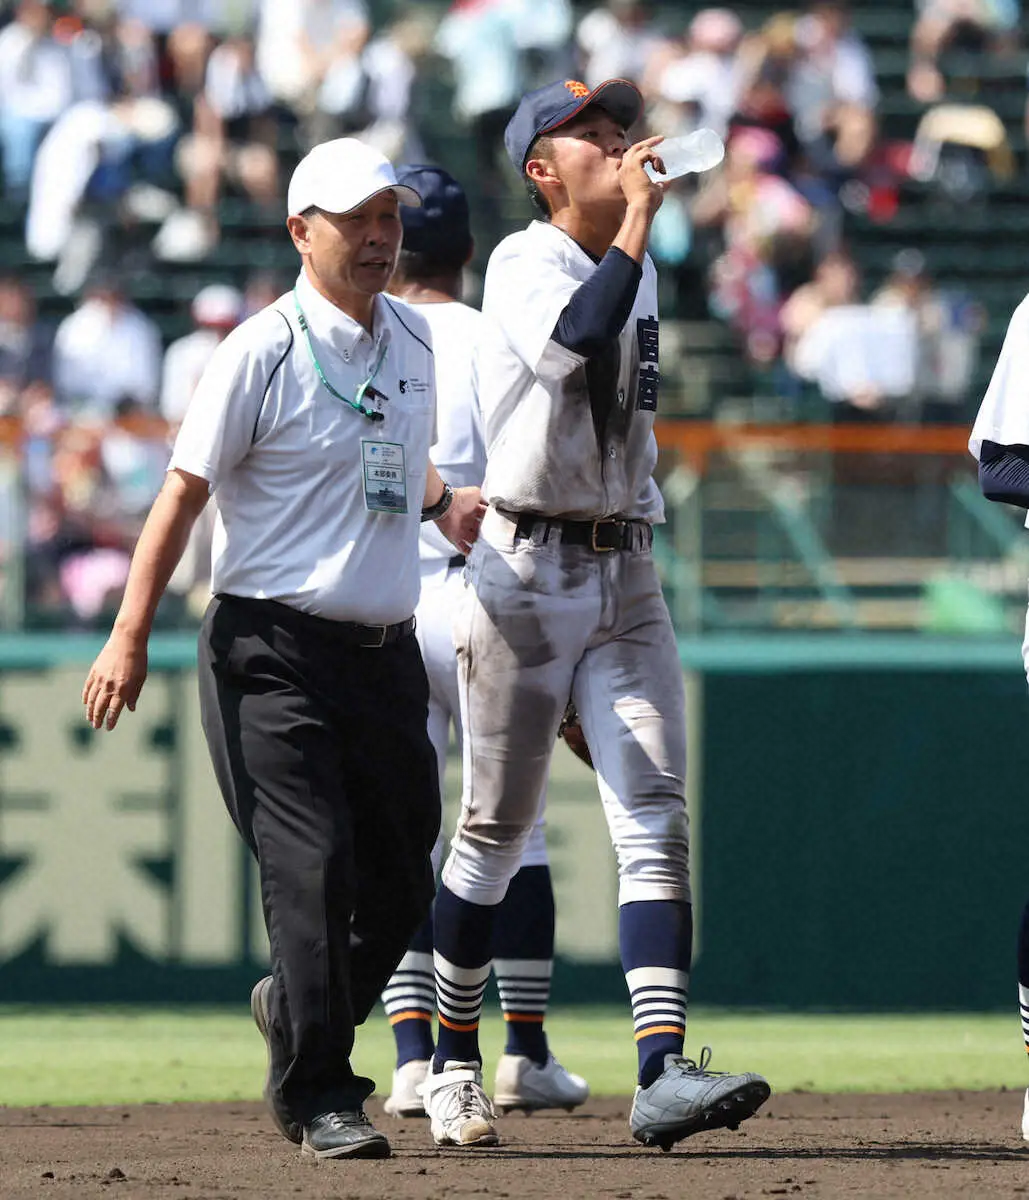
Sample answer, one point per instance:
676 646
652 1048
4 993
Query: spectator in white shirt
25 341
980 26
216 310
36 86
376 107
831 88
480 40
234 137
107 355
233 130
616 41
544 30
701 86
303 43
165 16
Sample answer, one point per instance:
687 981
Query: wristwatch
442 505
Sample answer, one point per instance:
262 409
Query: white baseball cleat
1025 1117
405 1100
459 1110
521 1084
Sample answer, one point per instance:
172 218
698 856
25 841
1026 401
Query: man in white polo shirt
313 423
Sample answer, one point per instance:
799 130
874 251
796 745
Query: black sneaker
344 1135
291 1130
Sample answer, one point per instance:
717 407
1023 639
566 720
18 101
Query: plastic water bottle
698 151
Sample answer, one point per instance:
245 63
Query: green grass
112 1056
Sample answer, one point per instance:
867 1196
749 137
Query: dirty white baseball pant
441 594
538 622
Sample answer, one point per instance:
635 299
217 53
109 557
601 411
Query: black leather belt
601 536
456 562
348 633
374 637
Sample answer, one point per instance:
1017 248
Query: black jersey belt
601 536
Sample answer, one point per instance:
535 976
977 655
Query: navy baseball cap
441 225
550 107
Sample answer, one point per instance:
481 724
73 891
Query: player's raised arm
614 233
117 676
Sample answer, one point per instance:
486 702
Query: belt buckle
382 638
593 537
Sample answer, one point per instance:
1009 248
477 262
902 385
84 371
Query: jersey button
612 453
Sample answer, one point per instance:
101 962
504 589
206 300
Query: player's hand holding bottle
637 186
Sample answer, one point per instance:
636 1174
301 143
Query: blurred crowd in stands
117 115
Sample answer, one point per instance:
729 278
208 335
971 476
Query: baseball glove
571 731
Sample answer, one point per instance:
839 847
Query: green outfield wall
859 808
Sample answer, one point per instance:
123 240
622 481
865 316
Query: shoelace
468 1100
700 1068
336 1121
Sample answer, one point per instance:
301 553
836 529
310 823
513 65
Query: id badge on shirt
385 477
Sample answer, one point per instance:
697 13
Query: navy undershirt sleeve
1004 473
597 313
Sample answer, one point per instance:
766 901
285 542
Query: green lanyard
357 404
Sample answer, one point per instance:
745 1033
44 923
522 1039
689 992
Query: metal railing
843 527
769 527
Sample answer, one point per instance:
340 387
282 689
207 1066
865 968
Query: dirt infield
941 1144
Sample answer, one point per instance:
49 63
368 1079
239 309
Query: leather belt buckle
597 549
380 631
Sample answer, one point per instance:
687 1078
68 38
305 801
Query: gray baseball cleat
259 997
687 1098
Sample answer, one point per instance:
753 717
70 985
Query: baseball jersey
459 451
1003 416
566 436
298 473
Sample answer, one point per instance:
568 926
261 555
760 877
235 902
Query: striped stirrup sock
462 959
409 1000
656 940
524 987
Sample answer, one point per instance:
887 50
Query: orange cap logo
577 89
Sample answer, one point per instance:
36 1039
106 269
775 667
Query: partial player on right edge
1000 444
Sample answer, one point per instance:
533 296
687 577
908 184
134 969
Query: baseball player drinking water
312 424
561 600
437 245
1000 443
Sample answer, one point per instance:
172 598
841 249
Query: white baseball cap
340 175
217 304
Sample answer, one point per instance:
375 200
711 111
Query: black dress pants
321 753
